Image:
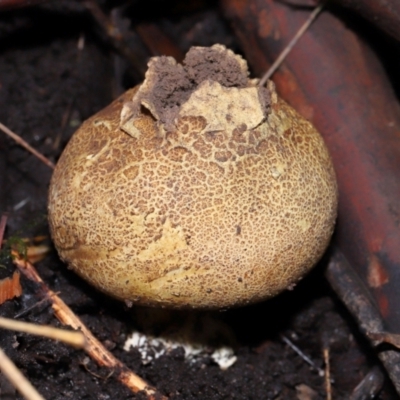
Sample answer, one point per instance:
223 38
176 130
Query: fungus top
212 82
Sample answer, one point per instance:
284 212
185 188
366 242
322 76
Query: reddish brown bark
385 14
158 42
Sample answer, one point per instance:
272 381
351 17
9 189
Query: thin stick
19 381
93 346
29 309
26 145
302 355
328 385
72 338
291 44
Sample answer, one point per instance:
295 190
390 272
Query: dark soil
49 84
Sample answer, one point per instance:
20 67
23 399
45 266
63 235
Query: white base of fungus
151 348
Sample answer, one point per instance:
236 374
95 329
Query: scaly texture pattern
193 218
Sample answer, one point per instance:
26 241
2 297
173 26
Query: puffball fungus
196 189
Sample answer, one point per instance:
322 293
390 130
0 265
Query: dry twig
291 44
43 302
19 381
328 384
26 145
93 347
302 355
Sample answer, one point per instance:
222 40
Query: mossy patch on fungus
211 195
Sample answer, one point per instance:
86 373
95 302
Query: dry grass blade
93 346
291 44
19 381
26 145
328 385
307 359
72 338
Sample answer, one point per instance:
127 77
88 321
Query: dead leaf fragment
304 392
10 288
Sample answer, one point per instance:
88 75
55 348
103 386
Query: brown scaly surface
193 218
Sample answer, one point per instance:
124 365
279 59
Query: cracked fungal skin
193 217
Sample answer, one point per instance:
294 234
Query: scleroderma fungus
195 189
